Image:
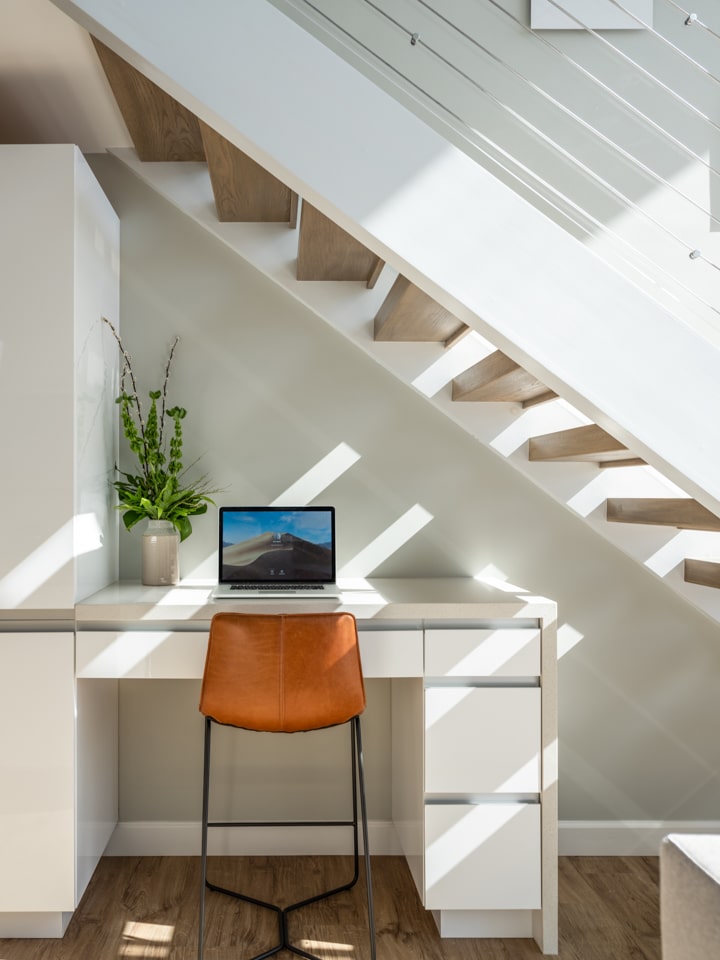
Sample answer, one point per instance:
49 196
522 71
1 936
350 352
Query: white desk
473 673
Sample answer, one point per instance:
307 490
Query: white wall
270 391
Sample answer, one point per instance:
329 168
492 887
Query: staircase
609 132
464 372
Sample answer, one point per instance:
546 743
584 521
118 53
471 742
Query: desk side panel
97 773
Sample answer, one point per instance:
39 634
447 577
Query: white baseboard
623 838
576 838
154 838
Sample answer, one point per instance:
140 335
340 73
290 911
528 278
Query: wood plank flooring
146 908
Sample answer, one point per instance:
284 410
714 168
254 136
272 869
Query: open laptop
276 552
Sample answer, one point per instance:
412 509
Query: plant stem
128 369
164 388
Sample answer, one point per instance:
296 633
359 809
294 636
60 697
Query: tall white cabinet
59 262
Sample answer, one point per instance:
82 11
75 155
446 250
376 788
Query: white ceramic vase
160 554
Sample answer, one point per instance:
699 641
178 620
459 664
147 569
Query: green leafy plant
160 489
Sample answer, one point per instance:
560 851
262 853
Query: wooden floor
146 908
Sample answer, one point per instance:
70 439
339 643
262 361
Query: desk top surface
381 600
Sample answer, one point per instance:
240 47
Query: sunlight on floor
324 948
146 940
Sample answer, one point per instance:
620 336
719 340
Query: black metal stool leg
203 854
366 844
358 780
205 883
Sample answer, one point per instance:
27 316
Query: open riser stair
401 326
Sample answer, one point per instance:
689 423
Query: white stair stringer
503 427
434 215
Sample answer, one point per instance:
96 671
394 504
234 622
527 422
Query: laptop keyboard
277 587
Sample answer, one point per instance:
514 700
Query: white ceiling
52 88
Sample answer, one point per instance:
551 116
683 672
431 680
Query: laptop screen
277 545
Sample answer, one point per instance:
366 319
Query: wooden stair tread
681 512
586 443
161 129
497 378
244 191
327 252
407 315
704 572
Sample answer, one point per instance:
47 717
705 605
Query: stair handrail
646 73
663 39
471 135
605 88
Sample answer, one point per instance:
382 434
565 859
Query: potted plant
159 490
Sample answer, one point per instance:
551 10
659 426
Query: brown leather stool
285 673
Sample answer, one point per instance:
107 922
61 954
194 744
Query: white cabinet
59 276
37 824
474 798
58 744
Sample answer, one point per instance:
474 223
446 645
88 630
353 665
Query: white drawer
482 857
391 653
482 740
180 655
140 654
504 652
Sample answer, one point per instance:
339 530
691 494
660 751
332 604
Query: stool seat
285 673
282 672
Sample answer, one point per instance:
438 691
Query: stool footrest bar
281 823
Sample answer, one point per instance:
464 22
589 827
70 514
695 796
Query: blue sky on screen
312 525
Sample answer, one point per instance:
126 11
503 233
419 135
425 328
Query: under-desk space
461 722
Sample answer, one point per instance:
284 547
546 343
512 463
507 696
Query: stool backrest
282 672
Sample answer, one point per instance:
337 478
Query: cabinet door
482 740
501 652
37 772
482 857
